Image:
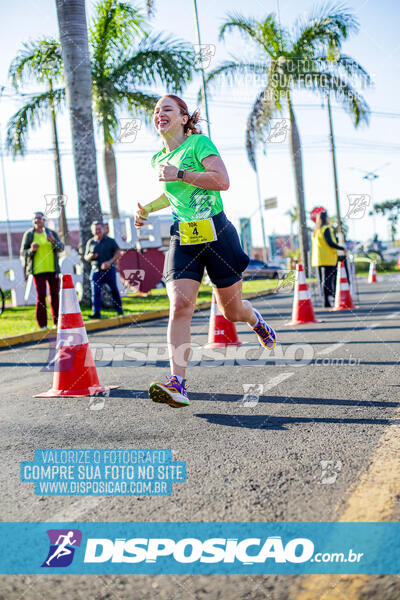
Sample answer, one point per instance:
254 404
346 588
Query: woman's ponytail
190 127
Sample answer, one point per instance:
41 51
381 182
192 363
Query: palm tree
392 209
122 64
124 61
75 53
40 62
306 58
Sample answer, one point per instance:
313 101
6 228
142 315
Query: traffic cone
303 311
74 369
221 332
372 272
343 299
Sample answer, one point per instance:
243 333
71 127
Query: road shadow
282 423
238 399
336 329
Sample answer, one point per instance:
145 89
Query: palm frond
352 68
345 94
31 116
115 26
230 71
158 60
263 109
139 104
274 35
327 26
261 33
39 61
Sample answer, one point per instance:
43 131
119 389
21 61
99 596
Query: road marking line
372 498
392 315
332 348
276 381
373 326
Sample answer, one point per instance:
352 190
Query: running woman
193 174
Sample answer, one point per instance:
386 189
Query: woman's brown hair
189 127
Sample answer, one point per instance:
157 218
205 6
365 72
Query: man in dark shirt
102 251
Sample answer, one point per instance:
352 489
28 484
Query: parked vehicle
257 269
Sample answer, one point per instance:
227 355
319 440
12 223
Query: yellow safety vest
322 254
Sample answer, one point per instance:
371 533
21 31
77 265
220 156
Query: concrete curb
111 323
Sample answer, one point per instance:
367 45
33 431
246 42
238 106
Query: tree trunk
297 162
111 176
75 53
62 220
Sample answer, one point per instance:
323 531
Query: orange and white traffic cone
221 332
372 272
74 369
303 311
343 299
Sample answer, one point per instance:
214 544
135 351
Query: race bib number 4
197 232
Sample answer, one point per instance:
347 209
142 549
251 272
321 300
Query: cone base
343 308
303 322
222 344
92 391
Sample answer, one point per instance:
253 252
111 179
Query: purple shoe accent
266 335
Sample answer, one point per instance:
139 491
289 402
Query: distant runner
201 237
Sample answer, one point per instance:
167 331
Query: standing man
39 250
102 251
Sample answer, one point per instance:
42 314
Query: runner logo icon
62 547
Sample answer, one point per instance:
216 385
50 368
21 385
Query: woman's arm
26 249
329 240
89 255
215 177
57 244
157 204
143 212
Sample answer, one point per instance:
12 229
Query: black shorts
224 258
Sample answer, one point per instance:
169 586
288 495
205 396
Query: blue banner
210 548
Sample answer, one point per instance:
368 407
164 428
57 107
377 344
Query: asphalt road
329 392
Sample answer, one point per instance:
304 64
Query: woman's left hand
50 237
167 173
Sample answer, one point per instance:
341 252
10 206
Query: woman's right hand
140 216
34 246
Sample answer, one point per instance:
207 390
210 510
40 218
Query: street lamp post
203 77
3 176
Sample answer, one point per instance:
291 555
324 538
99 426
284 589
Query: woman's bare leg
232 305
182 294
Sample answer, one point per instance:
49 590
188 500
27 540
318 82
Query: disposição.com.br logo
62 547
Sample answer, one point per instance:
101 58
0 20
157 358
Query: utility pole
335 177
203 77
62 220
371 176
260 208
3 176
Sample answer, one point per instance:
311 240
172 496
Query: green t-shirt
188 201
43 259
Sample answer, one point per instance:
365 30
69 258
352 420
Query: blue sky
376 47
